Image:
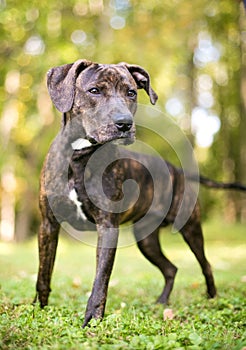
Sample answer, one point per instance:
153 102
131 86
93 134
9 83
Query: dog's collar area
81 143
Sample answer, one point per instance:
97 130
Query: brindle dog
98 103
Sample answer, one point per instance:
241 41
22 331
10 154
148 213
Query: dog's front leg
106 249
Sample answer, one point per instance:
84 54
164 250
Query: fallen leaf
76 282
243 279
168 314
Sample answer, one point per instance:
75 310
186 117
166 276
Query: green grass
132 320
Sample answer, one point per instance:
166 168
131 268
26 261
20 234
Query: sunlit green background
193 50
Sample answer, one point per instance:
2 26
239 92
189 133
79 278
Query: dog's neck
82 147
73 133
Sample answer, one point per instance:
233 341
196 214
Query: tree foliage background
194 52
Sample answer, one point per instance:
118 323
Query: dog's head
102 98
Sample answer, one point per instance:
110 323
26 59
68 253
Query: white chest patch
74 198
80 144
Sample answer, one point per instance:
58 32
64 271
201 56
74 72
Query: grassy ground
132 320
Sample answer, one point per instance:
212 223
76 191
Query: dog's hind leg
151 249
192 233
47 241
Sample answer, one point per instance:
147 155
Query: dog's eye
94 91
131 93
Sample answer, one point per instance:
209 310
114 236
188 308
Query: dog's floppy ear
142 80
61 83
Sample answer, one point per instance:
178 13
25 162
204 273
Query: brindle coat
98 103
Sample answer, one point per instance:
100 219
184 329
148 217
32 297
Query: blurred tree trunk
191 98
235 137
231 141
242 134
24 217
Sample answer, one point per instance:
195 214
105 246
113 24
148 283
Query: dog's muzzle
124 134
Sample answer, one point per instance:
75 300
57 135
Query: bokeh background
195 52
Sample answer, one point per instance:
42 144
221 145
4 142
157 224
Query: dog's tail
217 184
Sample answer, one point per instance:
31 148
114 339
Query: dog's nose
123 122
